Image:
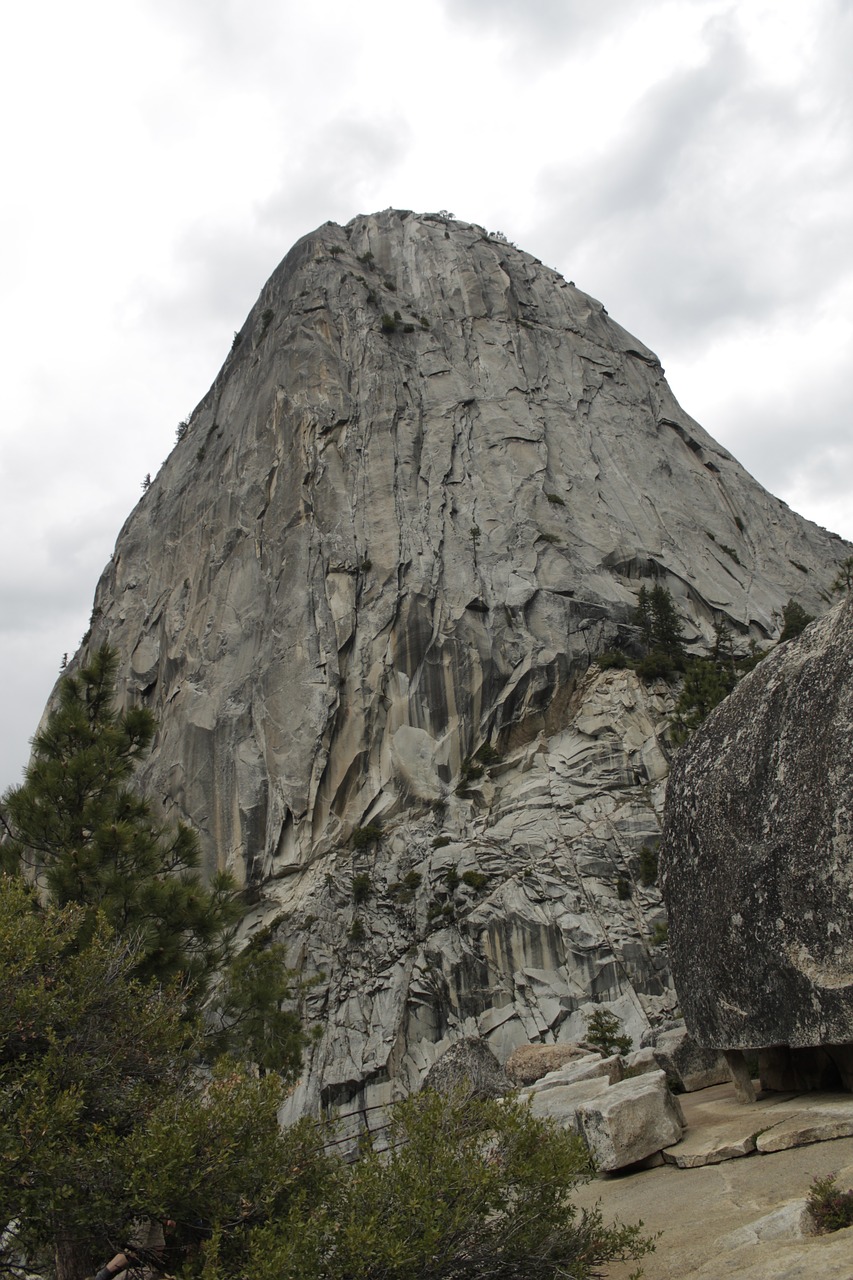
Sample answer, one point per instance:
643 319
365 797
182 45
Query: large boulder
630 1121
468 1064
757 863
529 1062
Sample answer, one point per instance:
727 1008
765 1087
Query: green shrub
335 250
555 499
611 658
363 837
830 1208
648 866
451 879
408 328
366 259
357 932
389 324
361 888
470 770
659 935
548 537
404 890
475 879
602 1030
623 888
456 1188
424 322
795 619
487 754
656 665
730 551
440 841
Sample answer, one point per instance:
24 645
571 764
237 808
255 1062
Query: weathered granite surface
379 545
757 861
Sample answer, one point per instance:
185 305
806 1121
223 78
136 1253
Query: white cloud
690 162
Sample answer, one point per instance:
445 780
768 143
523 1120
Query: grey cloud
338 173
543 28
711 208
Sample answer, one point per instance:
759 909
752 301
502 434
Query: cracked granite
419 498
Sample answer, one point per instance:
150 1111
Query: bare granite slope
418 499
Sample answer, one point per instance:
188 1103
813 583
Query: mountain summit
363 597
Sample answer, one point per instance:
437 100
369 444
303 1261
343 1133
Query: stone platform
730 1198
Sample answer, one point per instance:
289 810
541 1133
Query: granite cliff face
419 498
758 863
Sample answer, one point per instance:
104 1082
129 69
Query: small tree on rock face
602 1030
795 620
77 826
256 1005
844 578
663 633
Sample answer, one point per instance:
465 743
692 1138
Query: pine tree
795 620
78 828
662 631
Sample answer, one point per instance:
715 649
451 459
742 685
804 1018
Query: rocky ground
740 1215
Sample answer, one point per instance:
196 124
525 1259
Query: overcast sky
688 162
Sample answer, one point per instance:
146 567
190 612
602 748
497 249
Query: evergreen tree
795 620
705 685
105 1116
80 830
256 1006
662 631
844 578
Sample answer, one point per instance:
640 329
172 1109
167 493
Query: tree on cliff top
79 829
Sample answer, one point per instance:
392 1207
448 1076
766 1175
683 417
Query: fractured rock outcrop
365 590
757 864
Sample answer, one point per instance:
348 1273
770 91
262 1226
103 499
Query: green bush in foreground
831 1208
474 1189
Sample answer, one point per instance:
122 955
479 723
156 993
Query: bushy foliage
80 829
830 1208
843 580
364 837
662 629
795 620
648 866
87 1052
215 1160
460 1188
257 1011
602 1030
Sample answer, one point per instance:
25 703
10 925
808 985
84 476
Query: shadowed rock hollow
419 498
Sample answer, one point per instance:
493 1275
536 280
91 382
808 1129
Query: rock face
419 498
757 863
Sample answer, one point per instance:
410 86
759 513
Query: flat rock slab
736 1221
719 1128
831 1117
